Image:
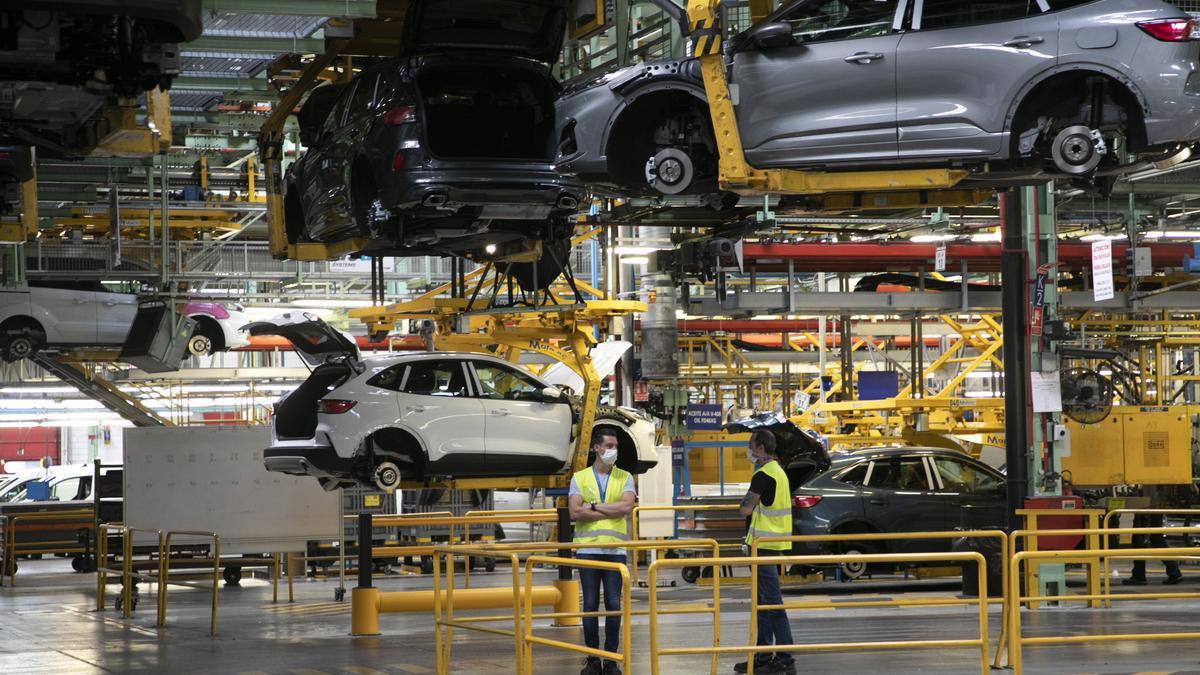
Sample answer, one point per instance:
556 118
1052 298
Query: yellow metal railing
85 518
164 577
127 570
673 508
1136 512
981 602
529 639
1016 641
524 595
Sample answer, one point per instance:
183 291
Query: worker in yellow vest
601 498
768 506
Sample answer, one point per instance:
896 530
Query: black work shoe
1134 581
1171 581
776 667
592 667
611 668
758 666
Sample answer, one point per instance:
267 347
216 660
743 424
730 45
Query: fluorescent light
330 304
986 236
1101 237
929 238
38 390
1174 234
635 260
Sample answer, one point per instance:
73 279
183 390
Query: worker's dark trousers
591 579
773 626
1151 541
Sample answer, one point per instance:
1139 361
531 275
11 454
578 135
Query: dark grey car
446 149
898 490
1013 90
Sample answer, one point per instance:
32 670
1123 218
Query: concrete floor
48 626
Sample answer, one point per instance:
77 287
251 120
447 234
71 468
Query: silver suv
1016 90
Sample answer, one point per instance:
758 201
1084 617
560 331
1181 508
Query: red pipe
910 257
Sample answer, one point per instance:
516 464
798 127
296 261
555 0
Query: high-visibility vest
608 529
775 520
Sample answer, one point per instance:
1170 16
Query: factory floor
48 625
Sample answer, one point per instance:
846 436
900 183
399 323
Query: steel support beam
351 9
1016 346
250 45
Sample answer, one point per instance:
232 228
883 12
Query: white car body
62 317
427 414
220 323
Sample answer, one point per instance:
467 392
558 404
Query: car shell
229 318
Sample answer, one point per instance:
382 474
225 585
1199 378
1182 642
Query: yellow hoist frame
736 175
563 332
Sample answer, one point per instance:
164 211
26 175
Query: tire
690 574
426 565
489 565
22 343
855 570
232 576
79 564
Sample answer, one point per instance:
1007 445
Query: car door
69 315
114 316
435 402
973 496
898 497
961 68
525 433
828 97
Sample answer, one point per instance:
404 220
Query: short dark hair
765 439
599 434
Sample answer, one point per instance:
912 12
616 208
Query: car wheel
21 344
199 345
232 576
854 570
670 171
1074 150
387 476
690 574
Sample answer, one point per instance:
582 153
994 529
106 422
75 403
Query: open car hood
530 28
316 341
794 446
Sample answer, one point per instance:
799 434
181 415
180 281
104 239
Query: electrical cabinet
1133 445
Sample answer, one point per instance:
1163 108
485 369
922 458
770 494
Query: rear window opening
478 112
296 415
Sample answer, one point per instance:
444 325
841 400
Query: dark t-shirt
763 486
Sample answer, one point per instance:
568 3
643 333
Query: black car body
447 148
61 61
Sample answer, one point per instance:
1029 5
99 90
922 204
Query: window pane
436 378
954 13
841 19
64 490
905 473
499 382
959 476
855 475
388 379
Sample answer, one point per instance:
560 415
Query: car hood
604 359
530 28
793 445
316 341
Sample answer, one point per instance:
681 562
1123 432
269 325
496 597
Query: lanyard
603 486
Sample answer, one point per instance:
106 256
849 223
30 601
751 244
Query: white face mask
609 457
750 456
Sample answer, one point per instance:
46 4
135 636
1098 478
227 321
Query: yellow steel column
364 611
568 601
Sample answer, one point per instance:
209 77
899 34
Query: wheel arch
1045 82
210 328
22 321
643 95
401 443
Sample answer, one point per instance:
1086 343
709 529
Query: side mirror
773 35
551 394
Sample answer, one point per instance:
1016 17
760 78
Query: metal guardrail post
364 550
565 536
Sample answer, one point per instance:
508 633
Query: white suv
422 415
62 314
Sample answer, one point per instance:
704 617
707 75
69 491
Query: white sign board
1102 272
1046 389
1143 262
212 479
939 259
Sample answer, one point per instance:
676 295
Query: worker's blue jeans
591 579
773 626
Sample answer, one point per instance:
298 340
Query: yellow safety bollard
364 611
568 602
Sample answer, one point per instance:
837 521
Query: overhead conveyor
101 391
